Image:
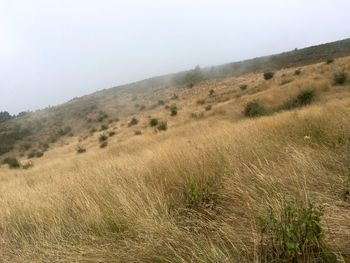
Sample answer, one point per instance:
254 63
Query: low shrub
243 87
208 108
286 81
174 97
153 122
27 165
162 126
200 102
329 60
12 162
173 111
103 144
161 102
138 132
211 92
254 109
104 127
297 72
34 154
339 78
112 133
268 75
81 149
304 98
133 121
102 138
295 235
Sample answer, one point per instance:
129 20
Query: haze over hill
52 51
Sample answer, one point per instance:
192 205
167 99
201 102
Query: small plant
92 131
161 102
81 149
268 75
304 98
104 127
208 108
162 126
190 85
200 102
199 195
138 132
339 78
153 122
12 162
27 165
297 72
173 111
329 60
174 97
133 121
243 87
254 109
293 236
211 92
112 133
102 138
103 144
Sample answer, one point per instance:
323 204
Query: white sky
54 50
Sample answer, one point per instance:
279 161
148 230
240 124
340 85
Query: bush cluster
268 75
254 109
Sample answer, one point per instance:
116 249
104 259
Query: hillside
181 168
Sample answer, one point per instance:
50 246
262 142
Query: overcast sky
54 50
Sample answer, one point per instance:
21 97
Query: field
195 191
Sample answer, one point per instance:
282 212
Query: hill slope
192 192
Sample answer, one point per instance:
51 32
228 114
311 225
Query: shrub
304 98
65 131
112 133
35 153
12 162
93 130
133 122
103 144
174 97
329 60
199 195
286 81
102 138
5 116
173 111
104 127
81 149
243 87
254 109
39 154
162 126
138 132
153 122
190 85
142 107
211 92
268 75
339 78
161 102
293 236
200 102
297 72
27 165
207 108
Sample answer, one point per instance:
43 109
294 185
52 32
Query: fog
54 50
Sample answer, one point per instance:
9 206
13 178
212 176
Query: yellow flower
307 137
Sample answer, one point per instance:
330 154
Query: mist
52 51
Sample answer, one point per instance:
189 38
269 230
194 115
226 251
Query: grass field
194 192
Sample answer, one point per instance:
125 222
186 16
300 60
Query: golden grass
125 203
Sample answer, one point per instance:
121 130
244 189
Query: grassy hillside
245 170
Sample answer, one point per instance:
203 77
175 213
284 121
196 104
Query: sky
54 50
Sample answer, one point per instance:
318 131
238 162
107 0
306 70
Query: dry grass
126 203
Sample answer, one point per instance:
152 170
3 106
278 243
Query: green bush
200 102
297 72
102 138
12 162
112 133
254 109
243 87
27 165
207 108
35 153
211 92
81 149
293 236
104 127
161 102
199 195
133 121
153 122
329 60
304 98
173 111
103 144
268 75
162 126
339 78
